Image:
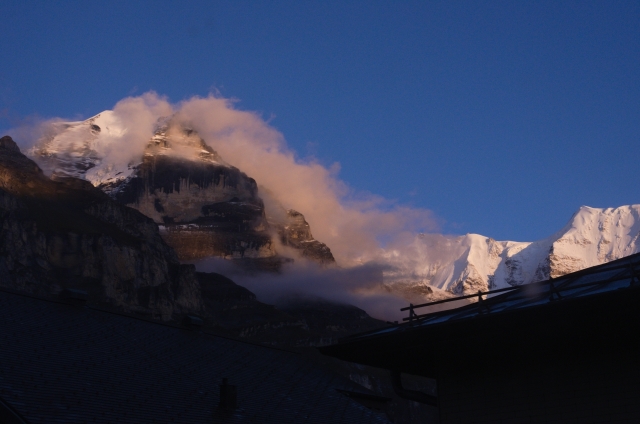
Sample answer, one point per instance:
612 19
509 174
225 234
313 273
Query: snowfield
466 264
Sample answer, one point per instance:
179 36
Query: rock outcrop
204 206
294 231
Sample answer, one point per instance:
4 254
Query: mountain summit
204 206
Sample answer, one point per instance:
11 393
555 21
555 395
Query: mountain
435 265
63 233
204 206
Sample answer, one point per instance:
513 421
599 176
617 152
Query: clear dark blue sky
501 117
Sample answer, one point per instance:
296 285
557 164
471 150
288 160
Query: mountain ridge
206 207
470 263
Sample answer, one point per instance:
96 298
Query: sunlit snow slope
466 264
99 150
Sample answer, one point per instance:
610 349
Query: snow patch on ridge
77 149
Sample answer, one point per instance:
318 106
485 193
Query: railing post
411 313
634 276
552 290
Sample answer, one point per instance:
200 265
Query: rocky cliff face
64 233
294 231
204 206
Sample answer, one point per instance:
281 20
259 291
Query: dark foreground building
560 351
68 363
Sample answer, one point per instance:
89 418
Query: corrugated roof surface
68 364
619 274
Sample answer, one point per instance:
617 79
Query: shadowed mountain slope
65 233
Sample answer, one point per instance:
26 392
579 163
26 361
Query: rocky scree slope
204 206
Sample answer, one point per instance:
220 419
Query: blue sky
501 117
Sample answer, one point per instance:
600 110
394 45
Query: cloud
361 285
139 117
28 130
355 225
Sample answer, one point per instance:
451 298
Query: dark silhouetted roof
61 363
595 308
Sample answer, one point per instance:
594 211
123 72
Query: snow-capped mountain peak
99 149
465 264
73 148
595 236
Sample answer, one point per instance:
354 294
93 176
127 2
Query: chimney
228 396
